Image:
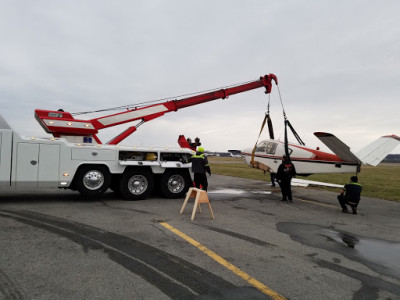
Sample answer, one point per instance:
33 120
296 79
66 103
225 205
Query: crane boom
60 123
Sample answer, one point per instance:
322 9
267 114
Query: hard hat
200 149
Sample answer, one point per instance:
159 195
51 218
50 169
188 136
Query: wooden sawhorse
200 196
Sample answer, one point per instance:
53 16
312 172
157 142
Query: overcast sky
337 62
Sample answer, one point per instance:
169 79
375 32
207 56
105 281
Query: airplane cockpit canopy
267 147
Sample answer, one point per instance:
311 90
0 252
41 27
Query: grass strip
382 182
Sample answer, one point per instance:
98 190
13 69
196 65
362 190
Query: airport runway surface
57 245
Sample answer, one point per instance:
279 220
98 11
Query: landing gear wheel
175 183
92 181
136 184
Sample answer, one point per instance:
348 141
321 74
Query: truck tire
92 181
136 184
175 183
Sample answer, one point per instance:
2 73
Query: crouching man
350 195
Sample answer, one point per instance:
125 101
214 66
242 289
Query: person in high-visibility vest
350 195
199 168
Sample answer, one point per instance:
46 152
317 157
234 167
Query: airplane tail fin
371 155
375 152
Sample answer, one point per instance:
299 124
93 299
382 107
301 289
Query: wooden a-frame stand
200 196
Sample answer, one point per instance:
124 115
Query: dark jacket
286 171
352 192
200 163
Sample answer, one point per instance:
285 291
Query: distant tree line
392 158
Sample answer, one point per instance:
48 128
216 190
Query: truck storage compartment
93 154
137 156
170 156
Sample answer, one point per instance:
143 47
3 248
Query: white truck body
58 163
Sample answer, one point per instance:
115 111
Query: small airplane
268 155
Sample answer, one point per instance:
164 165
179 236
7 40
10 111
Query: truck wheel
92 181
175 183
136 184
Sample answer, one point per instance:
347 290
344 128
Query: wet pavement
373 251
58 245
379 255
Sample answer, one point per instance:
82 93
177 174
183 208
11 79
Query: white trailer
91 168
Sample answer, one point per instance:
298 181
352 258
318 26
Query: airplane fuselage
268 157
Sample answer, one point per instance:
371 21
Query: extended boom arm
61 123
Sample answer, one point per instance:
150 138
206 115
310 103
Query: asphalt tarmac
57 245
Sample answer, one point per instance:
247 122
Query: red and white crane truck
74 158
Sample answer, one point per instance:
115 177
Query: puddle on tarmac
262 192
227 191
377 251
237 192
379 255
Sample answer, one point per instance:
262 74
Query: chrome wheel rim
93 180
176 183
138 184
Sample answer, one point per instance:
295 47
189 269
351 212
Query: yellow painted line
264 289
322 204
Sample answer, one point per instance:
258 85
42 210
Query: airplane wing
375 152
306 183
337 146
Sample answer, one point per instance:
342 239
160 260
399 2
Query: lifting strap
270 128
299 140
295 133
287 123
267 119
286 141
269 122
255 146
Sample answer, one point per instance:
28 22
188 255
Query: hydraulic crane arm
60 123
